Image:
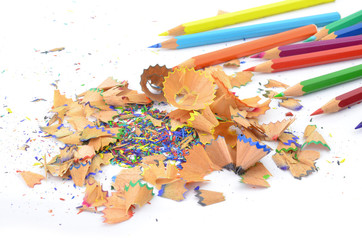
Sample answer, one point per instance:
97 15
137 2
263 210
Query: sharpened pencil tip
259 55
250 69
311 39
158 45
318 111
359 126
279 95
163 34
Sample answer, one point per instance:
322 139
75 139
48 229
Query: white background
110 38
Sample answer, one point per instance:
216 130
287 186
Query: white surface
110 38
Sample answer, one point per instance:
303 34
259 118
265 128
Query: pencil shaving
219 154
226 99
116 210
288 138
101 142
98 161
235 63
174 190
31 179
298 168
153 159
239 117
79 172
275 84
90 132
308 130
269 93
248 153
308 155
220 77
197 165
105 116
157 174
317 139
155 122
84 152
179 115
79 123
207 197
125 176
121 95
226 130
257 108
256 176
274 130
188 89
282 147
204 137
94 98
94 194
152 80
60 100
108 83
291 103
241 78
137 194
199 122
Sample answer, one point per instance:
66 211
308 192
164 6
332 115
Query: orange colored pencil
249 48
309 59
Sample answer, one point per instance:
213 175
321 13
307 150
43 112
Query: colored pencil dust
249 48
341 102
324 81
309 59
241 16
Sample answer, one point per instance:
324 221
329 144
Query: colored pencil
309 59
245 32
337 25
249 48
359 125
241 16
323 81
341 102
308 47
353 30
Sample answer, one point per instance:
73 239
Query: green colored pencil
337 25
322 82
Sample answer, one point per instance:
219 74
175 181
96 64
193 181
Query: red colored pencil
309 59
341 102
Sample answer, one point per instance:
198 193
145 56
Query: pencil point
359 126
311 39
318 111
158 45
163 34
250 69
279 95
259 55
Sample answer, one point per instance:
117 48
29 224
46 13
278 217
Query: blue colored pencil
359 125
257 30
353 30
